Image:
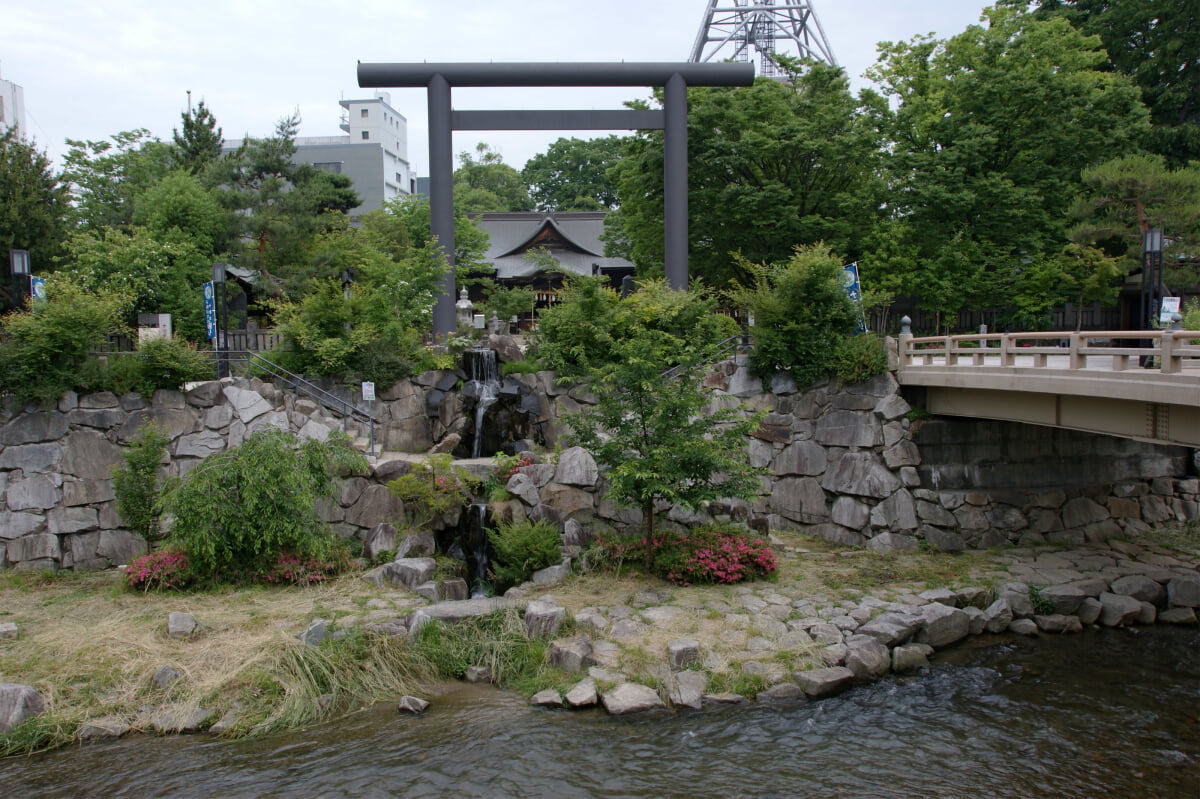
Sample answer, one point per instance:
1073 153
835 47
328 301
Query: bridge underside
1159 423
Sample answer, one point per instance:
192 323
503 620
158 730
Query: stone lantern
465 309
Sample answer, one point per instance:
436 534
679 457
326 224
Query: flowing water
1103 714
483 378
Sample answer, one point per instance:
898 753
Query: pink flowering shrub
713 554
508 465
164 569
291 569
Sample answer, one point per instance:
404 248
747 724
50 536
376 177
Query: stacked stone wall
843 463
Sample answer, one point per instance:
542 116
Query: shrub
432 490
801 314
136 480
169 363
521 549
861 357
45 348
293 569
241 509
165 569
505 466
712 554
1191 317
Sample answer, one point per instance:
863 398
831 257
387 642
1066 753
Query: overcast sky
91 69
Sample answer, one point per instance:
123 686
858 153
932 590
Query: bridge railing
1169 351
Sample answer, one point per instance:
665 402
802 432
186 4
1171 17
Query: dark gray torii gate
672 120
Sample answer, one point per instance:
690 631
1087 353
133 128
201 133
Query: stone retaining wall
842 463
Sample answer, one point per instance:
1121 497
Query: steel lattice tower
767 26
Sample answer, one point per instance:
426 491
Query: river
1110 713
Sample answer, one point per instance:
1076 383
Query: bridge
1097 381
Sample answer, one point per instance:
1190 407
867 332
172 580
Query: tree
1157 44
572 175
33 203
199 145
992 129
107 176
156 274
658 436
1123 197
769 167
485 183
179 206
470 241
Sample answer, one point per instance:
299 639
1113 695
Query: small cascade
472 530
483 381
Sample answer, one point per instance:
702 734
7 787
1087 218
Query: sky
92 69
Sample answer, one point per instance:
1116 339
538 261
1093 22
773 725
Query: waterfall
472 532
483 380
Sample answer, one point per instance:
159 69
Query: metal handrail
298 383
721 347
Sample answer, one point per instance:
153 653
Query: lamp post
1152 247
18 262
218 279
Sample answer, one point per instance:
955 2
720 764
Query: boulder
1089 610
891 629
911 657
411 571
248 405
120 546
1118 609
569 502
376 504
799 499
543 617
413 705
546 698
687 689
861 474
8 631
631 697
180 624
681 652
573 655
1017 597
848 429
523 488
89 455
416 545
891 542
897 512
867 658
576 467
998 616
1184 591
1058 623
824 682
164 676
944 625
1139 587
582 694
32 428
383 537
803 458
1066 598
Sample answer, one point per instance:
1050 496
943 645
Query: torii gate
672 120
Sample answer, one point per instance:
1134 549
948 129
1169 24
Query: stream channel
1110 713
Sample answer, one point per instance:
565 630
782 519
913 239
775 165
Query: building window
363 113
329 166
366 134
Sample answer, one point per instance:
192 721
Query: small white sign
1170 305
368 391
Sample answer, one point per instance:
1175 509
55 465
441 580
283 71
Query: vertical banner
37 287
853 290
210 311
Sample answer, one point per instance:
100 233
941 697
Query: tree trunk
648 512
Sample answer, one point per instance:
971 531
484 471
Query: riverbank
102 658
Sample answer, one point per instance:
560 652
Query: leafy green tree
485 183
470 241
801 314
199 145
157 274
992 129
33 203
240 510
769 166
657 436
1157 44
107 176
1124 196
509 301
572 175
42 352
180 207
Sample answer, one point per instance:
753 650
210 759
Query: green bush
169 363
521 549
1191 317
801 314
239 511
432 489
136 480
861 357
43 351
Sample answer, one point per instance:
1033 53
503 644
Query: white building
12 108
374 154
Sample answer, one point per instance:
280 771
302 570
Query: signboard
368 392
853 290
210 310
1170 305
37 287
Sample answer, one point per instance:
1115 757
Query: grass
1178 536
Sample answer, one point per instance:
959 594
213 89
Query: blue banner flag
210 310
853 290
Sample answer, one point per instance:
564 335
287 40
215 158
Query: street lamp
18 262
1152 249
218 279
